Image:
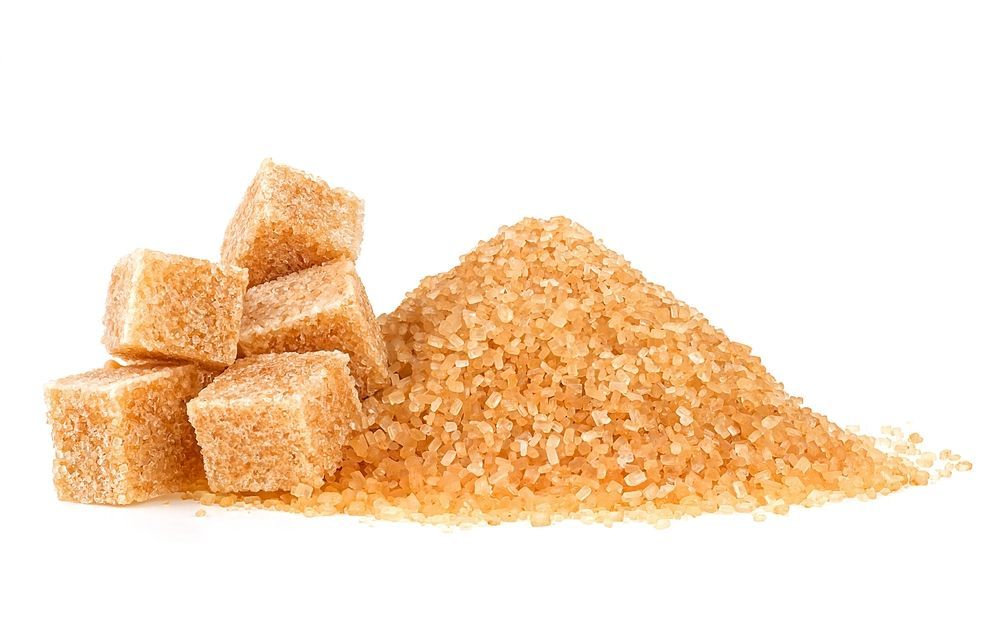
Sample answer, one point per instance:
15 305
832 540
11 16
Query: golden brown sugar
320 308
167 307
544 378
121 434
289 221
273 422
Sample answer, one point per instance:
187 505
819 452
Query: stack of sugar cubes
252 389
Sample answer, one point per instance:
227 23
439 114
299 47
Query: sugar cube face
167 307
121 434
289 221
272 422
317 309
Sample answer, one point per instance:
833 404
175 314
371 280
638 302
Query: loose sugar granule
544 378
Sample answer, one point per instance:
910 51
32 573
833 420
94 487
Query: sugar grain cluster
542 378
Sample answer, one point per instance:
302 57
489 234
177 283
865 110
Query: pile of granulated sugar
545 378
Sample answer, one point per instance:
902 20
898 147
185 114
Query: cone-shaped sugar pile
545 378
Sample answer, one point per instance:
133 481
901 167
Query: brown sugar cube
324 308
289 221
167 307
271 422
122 434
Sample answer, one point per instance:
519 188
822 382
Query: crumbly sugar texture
276 421
320 308
121 433
289 221
166 307
545 378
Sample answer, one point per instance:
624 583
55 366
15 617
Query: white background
820 179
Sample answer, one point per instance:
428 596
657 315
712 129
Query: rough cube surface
162 306
289 221
272 422
322 308
122 435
